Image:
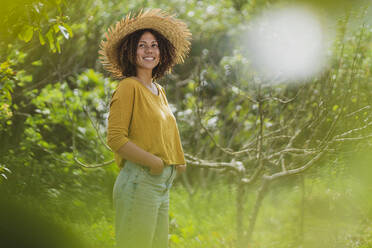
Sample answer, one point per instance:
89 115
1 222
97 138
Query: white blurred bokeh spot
287 45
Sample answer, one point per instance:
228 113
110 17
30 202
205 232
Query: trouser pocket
173 175
127 175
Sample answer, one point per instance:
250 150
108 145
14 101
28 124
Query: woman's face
148 53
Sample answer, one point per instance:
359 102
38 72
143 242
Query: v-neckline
158 95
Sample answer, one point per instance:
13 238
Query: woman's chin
148 66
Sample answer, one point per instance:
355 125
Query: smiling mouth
149 58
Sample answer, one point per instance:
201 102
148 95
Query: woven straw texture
171 28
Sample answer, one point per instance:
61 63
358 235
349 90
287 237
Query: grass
337 213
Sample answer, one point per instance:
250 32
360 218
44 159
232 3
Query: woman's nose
147 49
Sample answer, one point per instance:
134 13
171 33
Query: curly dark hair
128 51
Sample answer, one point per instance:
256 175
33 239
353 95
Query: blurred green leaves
3 172
7 84
26 33
24 225
51 81
40 19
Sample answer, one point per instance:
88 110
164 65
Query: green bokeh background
54 98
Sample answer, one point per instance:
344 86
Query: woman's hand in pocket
157 168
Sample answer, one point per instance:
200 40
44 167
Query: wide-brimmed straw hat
173 29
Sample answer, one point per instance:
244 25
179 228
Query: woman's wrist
164 164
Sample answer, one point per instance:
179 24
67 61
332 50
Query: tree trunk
302 214
240 214
252 221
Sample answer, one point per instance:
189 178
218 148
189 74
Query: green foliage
3 172
42 20
205 220
337 213
54 106
6 88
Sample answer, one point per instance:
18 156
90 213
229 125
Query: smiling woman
151 43
147 51
142 130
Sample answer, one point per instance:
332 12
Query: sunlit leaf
58 46
64 31
37 63
41 39
68 28
56 28
27 33
50 38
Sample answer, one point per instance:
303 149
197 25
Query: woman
142 130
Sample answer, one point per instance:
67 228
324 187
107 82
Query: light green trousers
141 202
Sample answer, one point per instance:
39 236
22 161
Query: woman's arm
136 154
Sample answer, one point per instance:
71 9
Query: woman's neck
145 76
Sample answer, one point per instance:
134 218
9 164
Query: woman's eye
143 45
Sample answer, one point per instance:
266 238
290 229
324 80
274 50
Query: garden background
273 162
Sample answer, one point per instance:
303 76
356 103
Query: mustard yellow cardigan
138 115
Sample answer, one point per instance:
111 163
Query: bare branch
271 97
77 160
291 150
91 166
297 170
225 150
357 111
260 137
242 92
351 131
354 138
282 163
234 165
96 128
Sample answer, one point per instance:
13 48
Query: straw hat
171 28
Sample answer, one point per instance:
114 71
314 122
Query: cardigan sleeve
120 115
